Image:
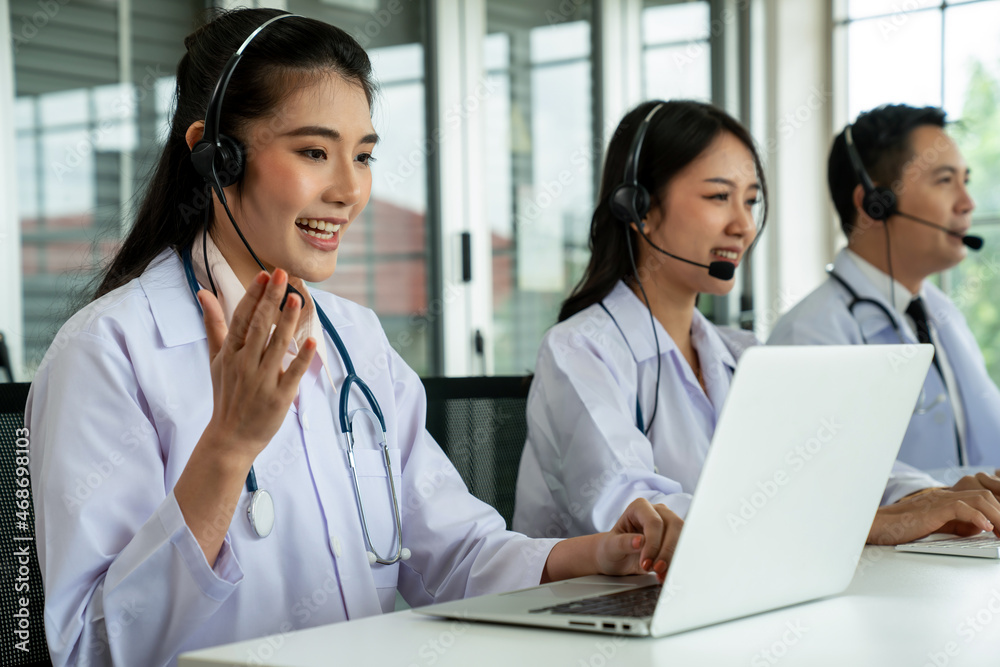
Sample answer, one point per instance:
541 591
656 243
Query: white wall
798 109
11 318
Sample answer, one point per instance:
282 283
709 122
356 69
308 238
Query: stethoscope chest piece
261 512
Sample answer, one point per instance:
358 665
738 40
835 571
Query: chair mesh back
480 424
22 630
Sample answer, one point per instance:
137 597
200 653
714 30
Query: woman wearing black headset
629 384
205 476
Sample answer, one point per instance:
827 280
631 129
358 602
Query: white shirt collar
882 283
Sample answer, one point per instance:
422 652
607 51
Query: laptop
798 464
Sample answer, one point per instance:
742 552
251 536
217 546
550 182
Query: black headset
630 201
879 202
218 158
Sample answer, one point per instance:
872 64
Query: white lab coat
115 410
585 457
823 318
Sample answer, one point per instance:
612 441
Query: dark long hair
288 54
679 133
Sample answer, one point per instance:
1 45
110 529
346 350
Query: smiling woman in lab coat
147 414
629 384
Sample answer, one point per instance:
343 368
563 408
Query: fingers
659 528
977 508
264 315
968 513
989 482
293 374
215 322
651 525
288 319
245 310
669 544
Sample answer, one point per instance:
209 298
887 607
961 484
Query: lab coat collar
175 310
870 319
633 318
886 287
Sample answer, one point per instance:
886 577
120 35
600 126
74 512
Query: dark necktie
918 313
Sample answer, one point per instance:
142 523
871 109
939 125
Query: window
540 165
676 58
383 262
951 52
84 137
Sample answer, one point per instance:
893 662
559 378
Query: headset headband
632 168
213 113
855 157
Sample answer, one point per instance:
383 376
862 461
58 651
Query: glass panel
383 262
682 71
560 42
540 166
74 121
874 54
398 63
972 52
972 94
976 284
496 52
24 113
683 22
70 107
894 12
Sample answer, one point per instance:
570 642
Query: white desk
901 609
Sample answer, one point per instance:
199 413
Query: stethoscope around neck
260 510
922 407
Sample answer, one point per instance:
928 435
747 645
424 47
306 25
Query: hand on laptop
964 511
643 540
978 482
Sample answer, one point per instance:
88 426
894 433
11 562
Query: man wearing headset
898 182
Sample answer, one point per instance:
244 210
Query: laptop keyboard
633 603
985 545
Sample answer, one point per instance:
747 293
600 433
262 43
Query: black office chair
22 628
480 424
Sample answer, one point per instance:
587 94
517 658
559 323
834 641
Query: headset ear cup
879 204
202 158
230 160
641 203
622 204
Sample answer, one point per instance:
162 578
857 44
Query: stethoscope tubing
373 412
